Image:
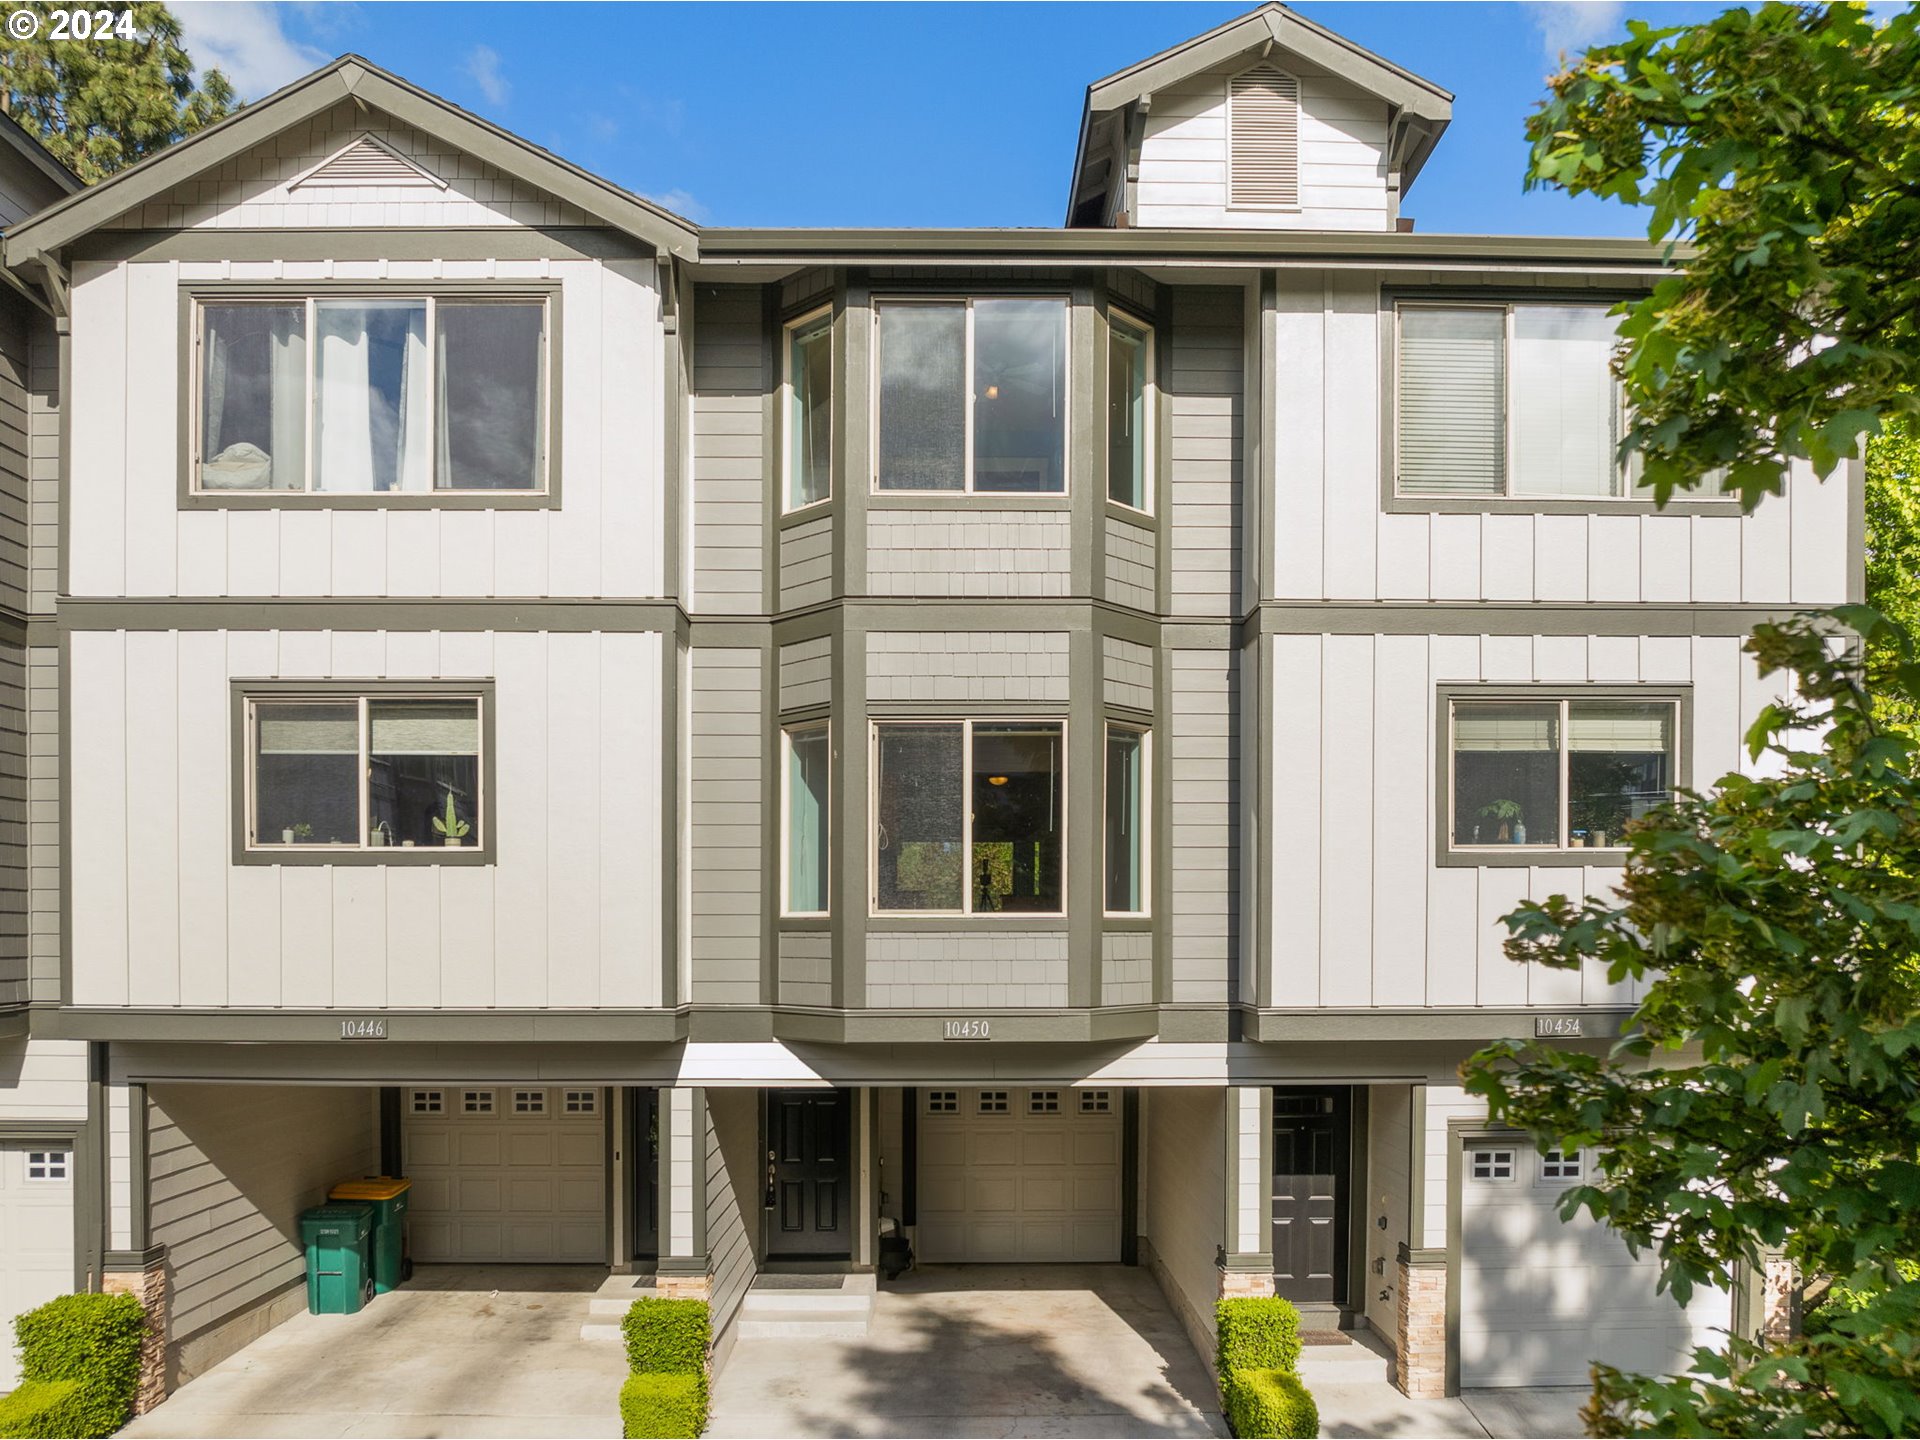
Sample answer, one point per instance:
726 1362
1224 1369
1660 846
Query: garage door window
1096 1102
943 1102
529 1102
1554 1165
428 1102
583 1102
477 1102
1492 1165
1043 1102
993 1102
48 1164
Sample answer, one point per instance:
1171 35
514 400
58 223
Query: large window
334 772
1508 401
809 409
1557 774
1126 810
969 817
383 395
807 813
1129 418
973 395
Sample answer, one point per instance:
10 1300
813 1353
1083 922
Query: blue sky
900 114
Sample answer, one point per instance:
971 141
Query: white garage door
36 1235
1541 1300
1019 1175
505 1173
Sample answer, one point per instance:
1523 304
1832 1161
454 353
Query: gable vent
1263 140
368 161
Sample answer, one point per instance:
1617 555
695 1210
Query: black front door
809 1175
1312 1137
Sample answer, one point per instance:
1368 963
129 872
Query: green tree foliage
1768 1094
1893 556
1783 145
103 103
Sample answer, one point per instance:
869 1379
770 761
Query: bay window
968 817
805 816
808 409
372 395
1557 774
972 396
1126 821
331 772
1129 364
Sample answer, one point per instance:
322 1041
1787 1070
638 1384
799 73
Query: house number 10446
367 1029
966 1030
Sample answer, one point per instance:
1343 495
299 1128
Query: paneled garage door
36 1234
504 1173
1019 1175
1541 1300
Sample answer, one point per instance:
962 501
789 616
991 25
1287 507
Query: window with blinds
1263 140
1566 773
1507 401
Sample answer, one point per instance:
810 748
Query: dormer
1269 122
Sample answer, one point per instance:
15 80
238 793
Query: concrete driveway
984 1350
463 1350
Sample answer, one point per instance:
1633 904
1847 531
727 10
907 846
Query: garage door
507 1174
36 1235
1541 1300
1019 1175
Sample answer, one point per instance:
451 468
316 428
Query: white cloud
681 203
483 67
1569 26
244 39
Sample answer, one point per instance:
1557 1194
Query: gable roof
356 78
1419 108
17 138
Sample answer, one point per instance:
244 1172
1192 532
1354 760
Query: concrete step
613 1305
815 1302
797 1323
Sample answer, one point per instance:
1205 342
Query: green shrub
667 1337
79 1364
1256 1332
1268 1403
665 1407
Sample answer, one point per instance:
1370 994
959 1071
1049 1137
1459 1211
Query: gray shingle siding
966 968
806 673
1207 408
1205 771
806 563
1130 564
730 386
994 553
1127 673
727 747
1126 968
16 463
967 665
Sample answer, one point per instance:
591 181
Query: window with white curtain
364 772
808 805
1507 401
1558 774
372 395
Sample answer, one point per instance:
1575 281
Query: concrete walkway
984 1350
1353 1387
464 1350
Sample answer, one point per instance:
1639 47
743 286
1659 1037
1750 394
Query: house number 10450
966 1030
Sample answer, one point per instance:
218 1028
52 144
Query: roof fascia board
36 155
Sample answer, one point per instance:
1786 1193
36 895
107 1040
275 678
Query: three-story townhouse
722 753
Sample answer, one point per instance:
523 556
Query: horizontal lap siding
806 673
730 463
43 820
1360 915
16 452
728 815
806 968
732 1188
1207 427
1183 1162
15 877
1204 759
230 1169
568 915
131 537
806 563
47 1079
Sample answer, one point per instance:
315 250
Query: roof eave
37 155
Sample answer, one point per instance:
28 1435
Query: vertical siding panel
1613 558
1666 659
408 655
253 891
1506 557
466 936
304 654
466 552
98 733
413 936
359 937
573 824
574 532
1402 828
520 888
1346 822
1501 981
1453 893
203 551
1353 438
253 552
306 551
152 836
1294 907
1819 513
359 552
1560 659
357 654
1613 659
630 535
1405 543
1560 564
206 816
520 551
1716 558
413 551
1300 468
1547 987
1601 882
628 853
1666 558
1719 722
96 545
1766 561
1456 557
149 399
1506 659
306 935
465 655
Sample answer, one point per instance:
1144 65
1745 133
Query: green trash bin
389 1197
335 1236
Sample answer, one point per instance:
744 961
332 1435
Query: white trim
1149 413
1145 732
821 317
787 733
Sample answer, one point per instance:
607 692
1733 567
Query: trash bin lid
353 1214
375 1187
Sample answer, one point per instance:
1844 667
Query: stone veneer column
145 1278
1421 1338
1779 1301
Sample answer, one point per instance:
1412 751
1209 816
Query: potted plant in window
1506 813
296 834
451 828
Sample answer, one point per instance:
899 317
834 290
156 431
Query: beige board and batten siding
1333 539
230 1168
961 666
1205 400
987 967
1359 913
1183 1164
991 553
733 1193
727 753
567 915
131 537
1342 156
730 385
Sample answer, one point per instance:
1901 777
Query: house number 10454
966 1030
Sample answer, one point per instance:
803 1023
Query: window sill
967 500
1516 857
816 510
883 920
1549 505
1142 518
385 855
415 500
